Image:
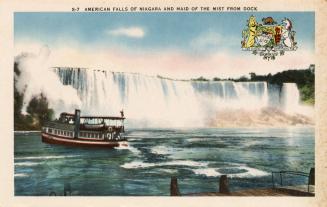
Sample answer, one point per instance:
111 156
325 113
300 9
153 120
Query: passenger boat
85 131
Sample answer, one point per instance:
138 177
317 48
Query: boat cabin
74 126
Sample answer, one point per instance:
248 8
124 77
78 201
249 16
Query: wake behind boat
85 131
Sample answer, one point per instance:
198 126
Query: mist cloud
36 77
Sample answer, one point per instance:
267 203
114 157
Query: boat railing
284 177
101 127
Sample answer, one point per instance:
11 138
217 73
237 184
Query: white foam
171 171
137 164
253 172
26 163
140 164
129 147
46 157
250 172
209 172
162 150
20 175
133 139
187 163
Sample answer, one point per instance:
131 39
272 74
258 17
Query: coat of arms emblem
268 39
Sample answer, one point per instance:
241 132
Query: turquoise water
196 156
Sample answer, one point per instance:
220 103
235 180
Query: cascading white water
159 102
290 97
154 101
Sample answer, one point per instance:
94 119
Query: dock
224 188
258 192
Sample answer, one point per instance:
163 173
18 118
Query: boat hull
52 139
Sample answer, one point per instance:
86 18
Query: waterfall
290 97
157 101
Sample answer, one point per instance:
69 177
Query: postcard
188 103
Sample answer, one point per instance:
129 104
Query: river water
197 157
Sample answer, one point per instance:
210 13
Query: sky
177 45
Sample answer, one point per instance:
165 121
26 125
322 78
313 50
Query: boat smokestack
77 122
